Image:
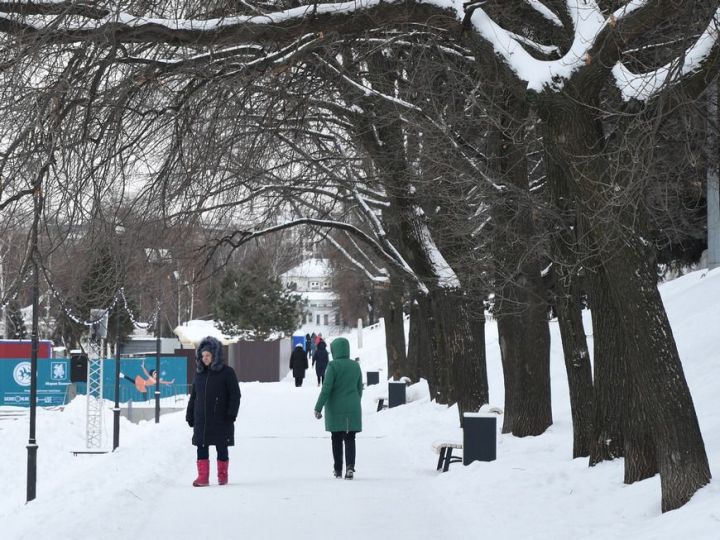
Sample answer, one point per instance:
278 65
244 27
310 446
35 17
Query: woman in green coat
340 395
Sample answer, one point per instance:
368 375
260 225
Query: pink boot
203 478
222 467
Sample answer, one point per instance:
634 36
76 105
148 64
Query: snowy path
280 473
281 484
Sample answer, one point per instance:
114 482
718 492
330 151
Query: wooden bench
445 449
381 403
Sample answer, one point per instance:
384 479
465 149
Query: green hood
340 349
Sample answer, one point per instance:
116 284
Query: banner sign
53 377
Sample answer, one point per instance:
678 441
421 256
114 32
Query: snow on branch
356 263
48 21
644 86
544 49
546 12
442 271
540 74
375 267
380 232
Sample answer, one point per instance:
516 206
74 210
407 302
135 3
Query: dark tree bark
391 307
610 374
466 379
660 396
420 347
567 290
521 305
509 358
577 362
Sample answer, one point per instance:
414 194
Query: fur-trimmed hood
215 347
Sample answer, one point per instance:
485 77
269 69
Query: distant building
312 279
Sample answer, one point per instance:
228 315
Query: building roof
193 332
311 268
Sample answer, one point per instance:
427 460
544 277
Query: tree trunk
667 413
420 358
566 271
611 379
465 381
660 403
508 326
577 362
391 303
521 299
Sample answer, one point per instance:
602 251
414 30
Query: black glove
191 424
318 415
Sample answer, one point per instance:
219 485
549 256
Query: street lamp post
119 230
178 284
116 409
158 346
32 446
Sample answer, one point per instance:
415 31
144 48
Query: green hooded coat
341 390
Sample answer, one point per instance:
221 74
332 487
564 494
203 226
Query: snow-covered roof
310 268
193 332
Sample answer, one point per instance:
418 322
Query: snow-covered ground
280 471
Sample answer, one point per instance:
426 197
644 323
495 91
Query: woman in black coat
320 361
298 364
212 409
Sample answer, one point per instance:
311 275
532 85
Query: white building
313 281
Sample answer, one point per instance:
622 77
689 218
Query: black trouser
203 452
348 437
321 379
298 381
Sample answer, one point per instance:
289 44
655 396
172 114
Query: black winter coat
214 402
298 362
320 359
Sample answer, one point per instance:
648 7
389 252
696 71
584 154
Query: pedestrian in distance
142 383
320 361
312 343
298 364
212 409
340 396
309 347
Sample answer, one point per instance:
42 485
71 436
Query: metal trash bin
396 394
479 437
373 377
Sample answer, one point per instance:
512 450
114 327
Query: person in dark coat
340 396
212 409
298 364
320 361
308 345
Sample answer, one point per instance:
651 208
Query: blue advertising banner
53 377
173 378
